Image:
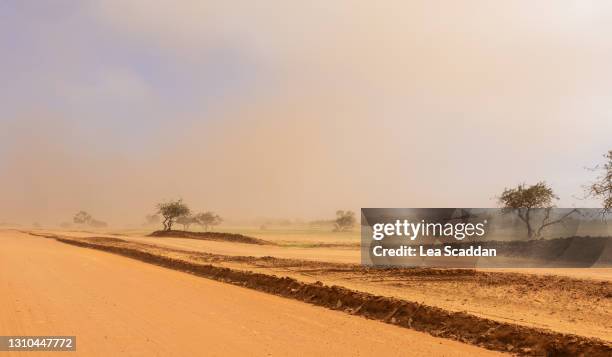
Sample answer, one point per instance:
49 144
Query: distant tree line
522 199
84 218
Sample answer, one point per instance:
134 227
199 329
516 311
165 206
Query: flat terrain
349 254
569 300
115 305
304 246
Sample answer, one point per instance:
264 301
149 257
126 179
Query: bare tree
171 211
207 219
524 201
345 220
602 187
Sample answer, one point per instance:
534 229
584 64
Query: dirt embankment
216 236
495 335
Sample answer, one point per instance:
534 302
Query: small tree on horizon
171 211
82 217
207 219
524 200
186 221
345 220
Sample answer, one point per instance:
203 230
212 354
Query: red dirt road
115 305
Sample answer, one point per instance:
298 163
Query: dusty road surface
115 305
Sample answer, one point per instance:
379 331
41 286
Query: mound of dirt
216 236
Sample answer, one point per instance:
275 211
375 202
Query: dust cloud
296 111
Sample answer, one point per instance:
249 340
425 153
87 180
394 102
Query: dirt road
115 305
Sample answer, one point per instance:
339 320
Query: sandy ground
350 255
336 255
541 298
535 300
116 305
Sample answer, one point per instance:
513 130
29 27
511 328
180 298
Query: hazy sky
296 108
